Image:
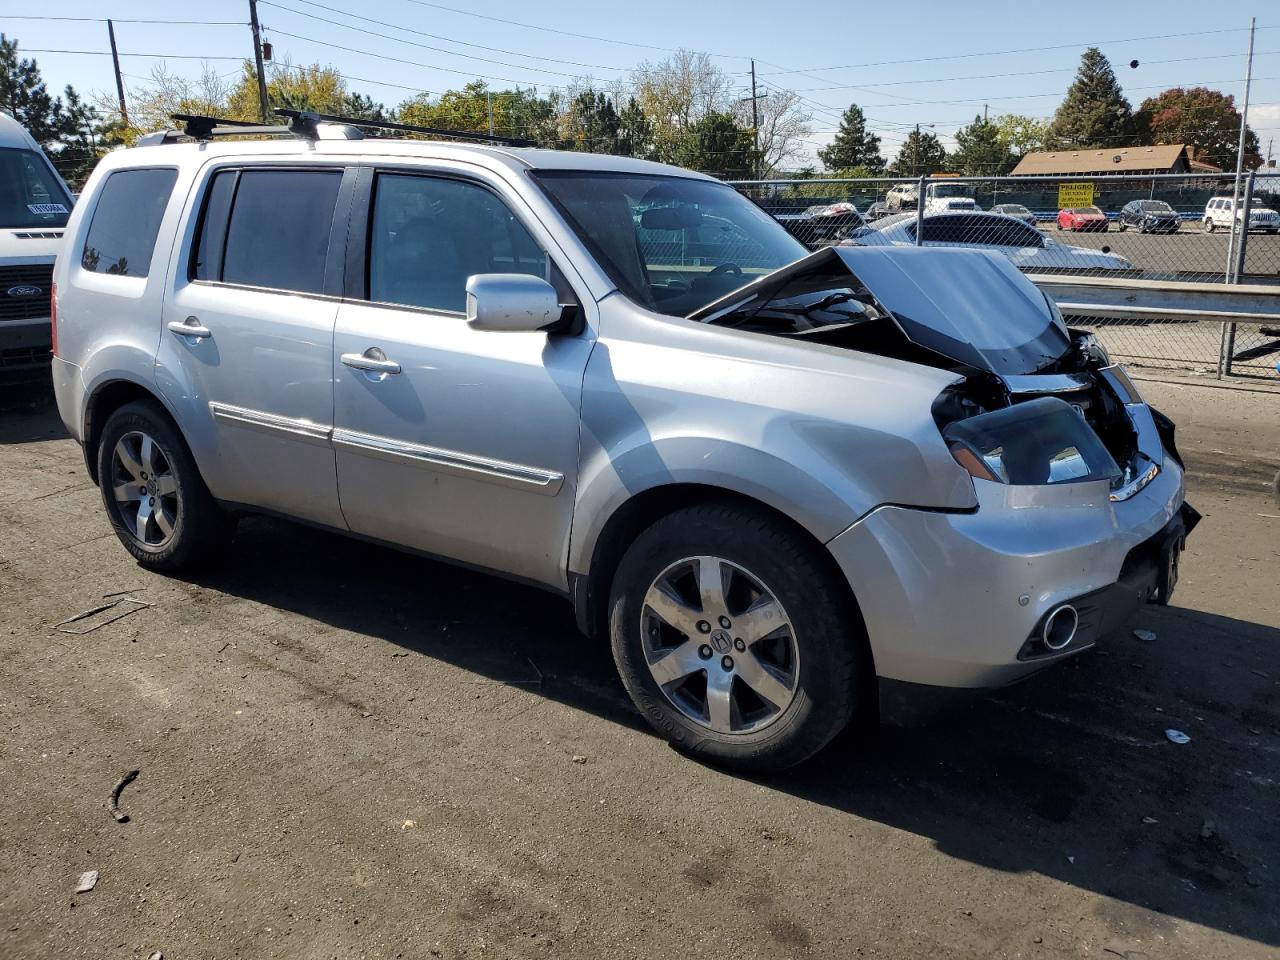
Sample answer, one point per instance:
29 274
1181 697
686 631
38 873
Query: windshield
1155 206
30 195
1087 211
1013 209
672 244
950 190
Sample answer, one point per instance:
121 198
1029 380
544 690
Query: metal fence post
920 188
1227 347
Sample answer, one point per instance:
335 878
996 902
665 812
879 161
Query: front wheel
154 495
1208 226
733 639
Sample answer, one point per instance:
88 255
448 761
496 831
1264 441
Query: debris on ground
64 626
156 955
114 805
1208 830
1149 820
579 758
1146 636
88 880
1177 736
408 824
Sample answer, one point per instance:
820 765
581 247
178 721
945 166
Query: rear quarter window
126 220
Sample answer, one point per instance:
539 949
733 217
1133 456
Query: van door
247 348
457 442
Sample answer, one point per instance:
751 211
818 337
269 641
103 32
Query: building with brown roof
1162 158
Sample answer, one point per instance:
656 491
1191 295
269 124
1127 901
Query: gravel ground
348 752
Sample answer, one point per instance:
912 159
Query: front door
246 350
457 442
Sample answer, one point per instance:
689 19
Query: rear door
449 440
246 352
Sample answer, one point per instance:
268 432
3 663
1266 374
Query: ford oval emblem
24 290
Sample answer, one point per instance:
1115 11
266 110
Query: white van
34 206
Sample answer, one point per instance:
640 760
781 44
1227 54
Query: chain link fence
1171 228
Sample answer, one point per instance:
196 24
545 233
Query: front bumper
24 346
950 599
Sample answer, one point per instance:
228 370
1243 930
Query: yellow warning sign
1075 195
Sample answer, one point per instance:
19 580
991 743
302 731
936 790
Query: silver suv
786 487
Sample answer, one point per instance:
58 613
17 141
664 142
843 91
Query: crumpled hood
972 306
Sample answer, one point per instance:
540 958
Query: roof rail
303 125
471 136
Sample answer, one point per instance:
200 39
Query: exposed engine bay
1078 416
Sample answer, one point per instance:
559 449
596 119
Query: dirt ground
347 752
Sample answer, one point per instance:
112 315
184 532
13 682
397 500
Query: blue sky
831 53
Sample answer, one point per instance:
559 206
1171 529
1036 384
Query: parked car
1082 219
1222 212
773 481
34 206
1017 211
1027 247
822 223
876 211
903 196
1148 216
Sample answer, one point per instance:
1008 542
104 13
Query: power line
413 43
996 53
107 53
434 36
202 23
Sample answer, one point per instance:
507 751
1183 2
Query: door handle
190 327
373 360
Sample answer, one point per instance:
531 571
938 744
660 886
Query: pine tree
922 153
853 146
1095 112
66 131
981 151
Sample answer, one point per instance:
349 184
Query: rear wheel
155 497
733 640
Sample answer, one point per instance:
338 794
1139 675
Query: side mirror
514 302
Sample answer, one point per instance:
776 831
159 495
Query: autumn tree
1205 119
1095 112
853 145
782 124
1021 134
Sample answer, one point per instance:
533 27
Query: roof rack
470 136
306 125
303 125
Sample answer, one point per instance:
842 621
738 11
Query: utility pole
755 116
915 150
115 62
984 113
489 95
257 59
1244 126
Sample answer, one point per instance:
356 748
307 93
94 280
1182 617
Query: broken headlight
1042 441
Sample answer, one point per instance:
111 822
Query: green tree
1095 112
980 152
1205 119
922 153
359 107
591 124
291 87
635 132
1021 134
715 144
66 129
853 145
516 113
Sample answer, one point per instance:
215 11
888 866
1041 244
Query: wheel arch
591 589
105 399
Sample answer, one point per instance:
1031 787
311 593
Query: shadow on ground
1054 776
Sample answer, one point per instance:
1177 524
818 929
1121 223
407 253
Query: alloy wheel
144 488
719 645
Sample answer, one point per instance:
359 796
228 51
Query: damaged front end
1037 404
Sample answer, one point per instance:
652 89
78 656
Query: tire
183 527
1208 225
813 651
1121 226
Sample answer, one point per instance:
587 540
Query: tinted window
278 234
429 235
122 235
213 227
30 195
